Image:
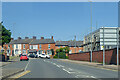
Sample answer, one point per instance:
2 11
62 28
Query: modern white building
106 34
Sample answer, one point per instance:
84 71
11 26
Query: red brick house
75 46
42 46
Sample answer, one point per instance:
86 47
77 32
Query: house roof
21 41
62 43
42 41
75 43
69 43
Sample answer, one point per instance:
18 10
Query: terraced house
75 46
33 45
42 46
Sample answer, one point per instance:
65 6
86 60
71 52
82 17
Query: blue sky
61 20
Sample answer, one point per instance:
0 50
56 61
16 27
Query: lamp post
118 46
91 30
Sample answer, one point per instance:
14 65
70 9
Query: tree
52 51
66 49
61 53
5 35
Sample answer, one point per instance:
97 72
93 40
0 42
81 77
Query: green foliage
67 57
62 52
55 57
61 55
52 51
5 35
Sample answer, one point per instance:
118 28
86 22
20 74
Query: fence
97 56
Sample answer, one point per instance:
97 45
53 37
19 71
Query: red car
24 57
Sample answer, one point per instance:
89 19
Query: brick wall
97 56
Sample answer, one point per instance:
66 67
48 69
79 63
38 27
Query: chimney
42 37
52 37
19 38
26 37
34 37
12 39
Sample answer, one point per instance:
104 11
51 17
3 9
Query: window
40 46
49 52
35 46
24 46
70 51
31 46
79 50
16 45
48 46
12 46
8 46
63 46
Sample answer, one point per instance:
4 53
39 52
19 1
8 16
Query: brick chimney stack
34 37
26 37
19 38
52 37
42 37
12 39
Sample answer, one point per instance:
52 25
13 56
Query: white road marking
93 77
71 71
27 64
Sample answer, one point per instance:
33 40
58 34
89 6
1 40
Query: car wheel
20 59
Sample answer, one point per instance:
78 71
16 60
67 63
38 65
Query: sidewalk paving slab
113 67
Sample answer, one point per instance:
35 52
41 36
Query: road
53 68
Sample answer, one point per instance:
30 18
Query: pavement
9 61
11 67
55 68
94 64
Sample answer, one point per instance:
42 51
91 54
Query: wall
97 56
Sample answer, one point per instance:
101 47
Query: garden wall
97 56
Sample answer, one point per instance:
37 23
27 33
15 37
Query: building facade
33 45
74 46
106 34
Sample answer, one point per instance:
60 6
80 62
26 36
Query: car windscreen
23 55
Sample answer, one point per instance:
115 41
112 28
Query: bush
61 55
67 57
55 57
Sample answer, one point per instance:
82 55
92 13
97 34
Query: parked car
20 55
36 55
32 55
47 56
43 56
24 57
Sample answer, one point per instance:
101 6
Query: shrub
67 57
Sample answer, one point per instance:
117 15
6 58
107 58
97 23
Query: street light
91 30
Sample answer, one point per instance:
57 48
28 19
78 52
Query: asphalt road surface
53 68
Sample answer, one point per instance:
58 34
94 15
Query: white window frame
16 46
40 46
48 46
23 46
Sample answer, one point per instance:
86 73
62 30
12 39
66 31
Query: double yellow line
22 74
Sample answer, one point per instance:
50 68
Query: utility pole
103 49
91 31
75 43
118 46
